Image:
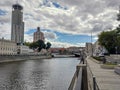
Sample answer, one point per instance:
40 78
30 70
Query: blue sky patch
74 39
70 38
66 38
30 31
48 3
2 12
56 5
59 6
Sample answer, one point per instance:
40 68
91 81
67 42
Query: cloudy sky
64 22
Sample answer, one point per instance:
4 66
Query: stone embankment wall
8 58
113 58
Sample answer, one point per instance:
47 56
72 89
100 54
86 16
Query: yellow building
38 35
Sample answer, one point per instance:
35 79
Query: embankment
9 58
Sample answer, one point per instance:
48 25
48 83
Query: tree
38 45
48 45
27 43
110 40
34 45
41 45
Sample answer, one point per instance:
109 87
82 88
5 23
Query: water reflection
48 74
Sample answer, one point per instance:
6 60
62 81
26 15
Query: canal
46 74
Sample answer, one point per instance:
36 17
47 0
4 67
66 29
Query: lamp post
91 45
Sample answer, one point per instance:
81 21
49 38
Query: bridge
90 76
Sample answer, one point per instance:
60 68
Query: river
46 74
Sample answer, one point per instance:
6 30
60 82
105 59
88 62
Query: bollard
94 83
104 60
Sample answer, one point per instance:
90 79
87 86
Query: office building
89 49
17 27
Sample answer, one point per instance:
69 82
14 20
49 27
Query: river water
46 74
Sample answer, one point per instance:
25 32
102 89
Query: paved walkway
107 79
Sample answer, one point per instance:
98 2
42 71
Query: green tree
41 45
38 45
27 43
34 45
110 40
48 45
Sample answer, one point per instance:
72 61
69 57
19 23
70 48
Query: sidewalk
106 79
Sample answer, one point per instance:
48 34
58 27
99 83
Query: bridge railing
92 84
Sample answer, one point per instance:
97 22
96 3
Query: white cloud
28 38
80 17
50 35
95 38
65 44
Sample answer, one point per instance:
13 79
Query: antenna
17 1
119 8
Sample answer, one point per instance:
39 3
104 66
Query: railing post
94 83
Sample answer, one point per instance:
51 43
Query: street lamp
118 15
91 44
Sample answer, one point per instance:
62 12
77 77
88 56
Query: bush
109 63
98 58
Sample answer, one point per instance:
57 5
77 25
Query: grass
108 66
109 63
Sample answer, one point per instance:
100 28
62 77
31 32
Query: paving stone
107 79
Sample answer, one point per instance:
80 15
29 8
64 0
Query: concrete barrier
117 70
22 57
79 80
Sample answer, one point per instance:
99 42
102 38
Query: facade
22 49
38 35
17 27
75 49
7 47
99 50
56 50
89 49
